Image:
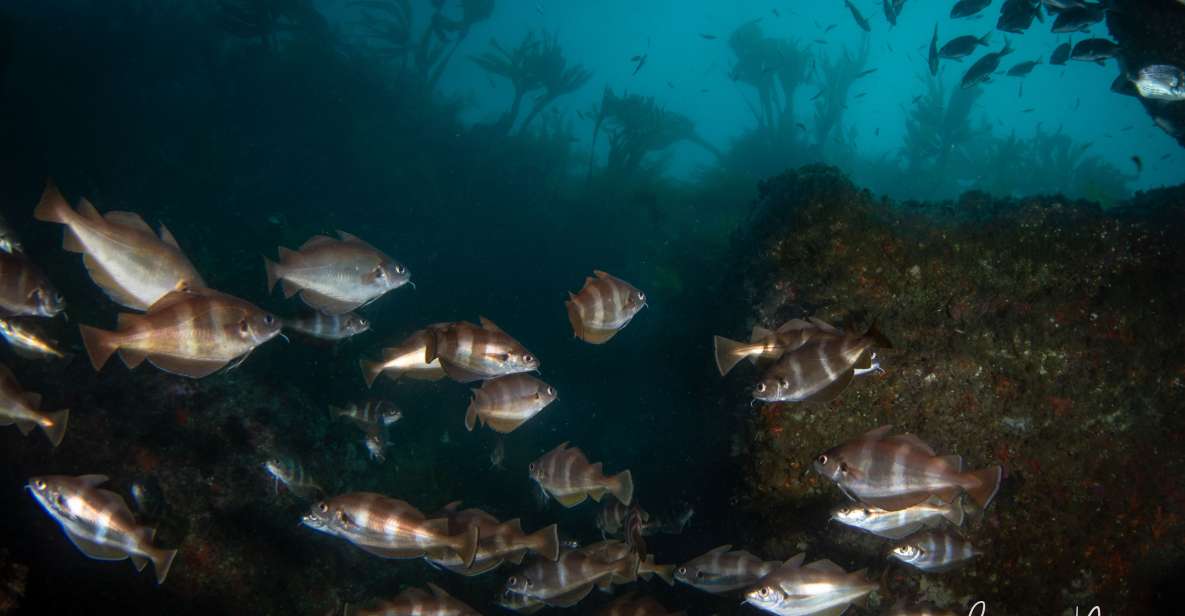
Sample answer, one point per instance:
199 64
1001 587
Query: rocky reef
1039 334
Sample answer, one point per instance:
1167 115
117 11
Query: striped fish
896 472
20 407
611 550
821 587
900 523
565 474
290 472
603 307
26 342
24 289
569 579
8 240
506 402
193 333
99 522
408 359
500 541
611 520
335 276
369 413
468 352
934 551
819 371
388 527
631 605
328 326
376 444
771 345
415 602
133 266
723 569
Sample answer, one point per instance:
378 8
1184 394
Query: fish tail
370 370
53 206
467 545
100 344
471 417
623 487
626 569
986 38
546 542
57 427
879 340
728 353
982 485
162 561
272 274
665 573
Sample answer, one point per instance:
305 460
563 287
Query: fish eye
550 390
39 484
323 507
764 592
531 467
269 319
511 581
682 571
760 387
527 358
822 459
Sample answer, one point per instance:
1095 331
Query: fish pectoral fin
571 500
94 550
25 427
130 220
326 304
489 325
186 366
382 552
570 598
139 561
825 566
459 374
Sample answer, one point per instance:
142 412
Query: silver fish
291 473
723 569
935 551
20 407
26 342
821 587
900 523
328 326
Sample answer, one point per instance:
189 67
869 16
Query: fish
567 581
376 444
499 541
897 472
26 342
968 8
1162 82
8 240
771 345
1023 68
631 605
900 523
328 326
132 265
469 352
408 359
1060 55
1094 50
387 527
1016 16
336 276
148 496
723 569
506 402
820 370
290 472
820 587
370 413
1077 19
710 37
193 333
22 408
603 307
641 61
890 13
25 291
983 68
860 19
866 73
519 603
829 28
1138 163
415 602
934 551
611 551
565 474
611 520
963 46
932 60
98 522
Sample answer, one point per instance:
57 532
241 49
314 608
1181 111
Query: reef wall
1039 334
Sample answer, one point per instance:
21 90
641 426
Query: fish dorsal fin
823 325
825 565
877 434
166 236
438 591
93 481
87 209
317 240
353 239
172 298
913 441
452 507
796 560
602 275
720 549
130 220
759 333
794 324
489 325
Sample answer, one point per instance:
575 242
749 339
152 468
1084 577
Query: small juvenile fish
934 551
603 307
291 473
415 602
408 359
567 581
932 59
99 522
469 352
20 407
900 523
720 570
565 474
387 527
498 455
506 402
26 342
821 587
193 333
336 276
519 603
369 413
896 472
25 290
132 265
611 520
1161 82
376 444
328 326
771 345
